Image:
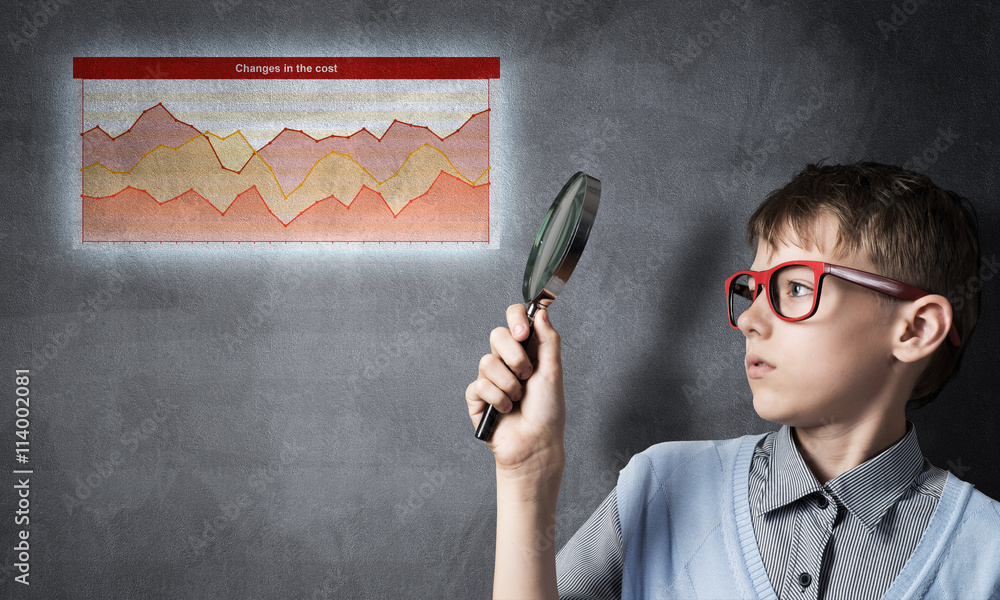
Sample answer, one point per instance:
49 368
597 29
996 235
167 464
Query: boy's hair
908 228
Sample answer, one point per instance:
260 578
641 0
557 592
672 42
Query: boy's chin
791 412
776 410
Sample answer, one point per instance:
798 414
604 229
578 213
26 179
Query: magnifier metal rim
591 200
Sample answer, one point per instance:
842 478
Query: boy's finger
510 351
548 339
517 321
493 369
483 390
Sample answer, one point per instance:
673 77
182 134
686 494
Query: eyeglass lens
791 289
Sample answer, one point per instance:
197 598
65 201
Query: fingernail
526 373
519 330
507 406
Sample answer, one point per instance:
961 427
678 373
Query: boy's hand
528 439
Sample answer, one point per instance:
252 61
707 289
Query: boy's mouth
756 366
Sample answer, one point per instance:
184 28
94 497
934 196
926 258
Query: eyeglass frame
890 287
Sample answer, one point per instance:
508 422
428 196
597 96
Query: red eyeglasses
793 290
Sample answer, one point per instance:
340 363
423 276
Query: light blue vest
686 531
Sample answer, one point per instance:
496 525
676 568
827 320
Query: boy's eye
798 290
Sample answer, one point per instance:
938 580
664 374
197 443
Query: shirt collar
868 491
788 478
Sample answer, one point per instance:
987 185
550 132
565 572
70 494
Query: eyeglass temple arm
896 289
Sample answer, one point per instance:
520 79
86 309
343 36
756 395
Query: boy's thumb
548 337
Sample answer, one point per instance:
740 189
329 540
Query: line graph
285 161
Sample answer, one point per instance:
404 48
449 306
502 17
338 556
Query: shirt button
805 579
823 502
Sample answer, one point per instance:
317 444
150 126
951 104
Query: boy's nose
757 318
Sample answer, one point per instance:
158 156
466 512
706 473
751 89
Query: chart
284 149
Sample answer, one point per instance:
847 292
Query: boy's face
832 367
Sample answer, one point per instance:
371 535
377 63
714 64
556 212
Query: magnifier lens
554 238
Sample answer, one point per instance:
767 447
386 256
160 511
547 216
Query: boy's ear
924 325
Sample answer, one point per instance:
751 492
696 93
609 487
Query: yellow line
158 146
275 177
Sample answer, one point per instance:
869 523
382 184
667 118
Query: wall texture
289 423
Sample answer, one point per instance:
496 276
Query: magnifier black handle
488 424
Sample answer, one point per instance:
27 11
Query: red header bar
285 67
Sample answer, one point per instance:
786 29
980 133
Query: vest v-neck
933 541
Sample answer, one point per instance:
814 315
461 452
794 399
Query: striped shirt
848 538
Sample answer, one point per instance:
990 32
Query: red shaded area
155 126
450 211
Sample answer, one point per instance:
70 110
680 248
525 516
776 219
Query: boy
849 314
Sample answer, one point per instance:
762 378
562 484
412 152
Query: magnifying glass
557 249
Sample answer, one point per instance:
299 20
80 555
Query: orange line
254 187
